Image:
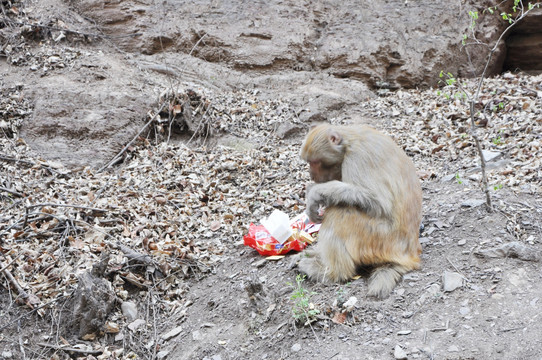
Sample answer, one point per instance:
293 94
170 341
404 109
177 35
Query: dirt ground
494 314
228 302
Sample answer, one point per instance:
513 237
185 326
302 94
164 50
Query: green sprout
303 310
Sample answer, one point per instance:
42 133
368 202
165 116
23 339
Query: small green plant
497 187
303 310
458 179
342 294
499 106
497 140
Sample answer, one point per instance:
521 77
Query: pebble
296 347
453 348
172 333
197 336
473 203
464 311
350 303
134 325
451 281
129 309
162 355
399 353
433 290
491 155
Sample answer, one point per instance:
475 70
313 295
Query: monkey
373 207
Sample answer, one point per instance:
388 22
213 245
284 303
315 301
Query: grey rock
129 310
473 203
491 155
172 333
399 353
451 281
514 249
136 324
197 335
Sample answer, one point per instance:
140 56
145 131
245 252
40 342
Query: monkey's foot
383 280
311 264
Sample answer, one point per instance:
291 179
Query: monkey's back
375 162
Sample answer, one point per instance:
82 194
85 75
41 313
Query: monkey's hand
315 201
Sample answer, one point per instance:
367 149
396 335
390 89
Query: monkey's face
321 172
324 150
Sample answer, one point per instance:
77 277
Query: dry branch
72 349
118 156
12 192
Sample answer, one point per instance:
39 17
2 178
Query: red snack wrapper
259 238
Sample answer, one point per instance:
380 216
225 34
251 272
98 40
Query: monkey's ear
334 137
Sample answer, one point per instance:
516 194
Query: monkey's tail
384 278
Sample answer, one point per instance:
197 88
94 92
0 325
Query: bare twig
12 192
72 349
9 264
12 159
118 156
27 208
29 299
132 254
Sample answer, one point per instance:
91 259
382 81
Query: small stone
461 242
433 290
7 354
453 348
172 333
464 311
447 178
404 332
491 155
296 347
350 303
134 325
451 281
259 263
399 353
197 336
473 203
162 355
129 310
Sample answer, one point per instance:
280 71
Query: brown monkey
373 203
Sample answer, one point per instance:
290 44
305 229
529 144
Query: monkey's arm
340 193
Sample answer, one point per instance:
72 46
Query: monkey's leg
330 261
384 278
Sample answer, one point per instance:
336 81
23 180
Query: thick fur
373 212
